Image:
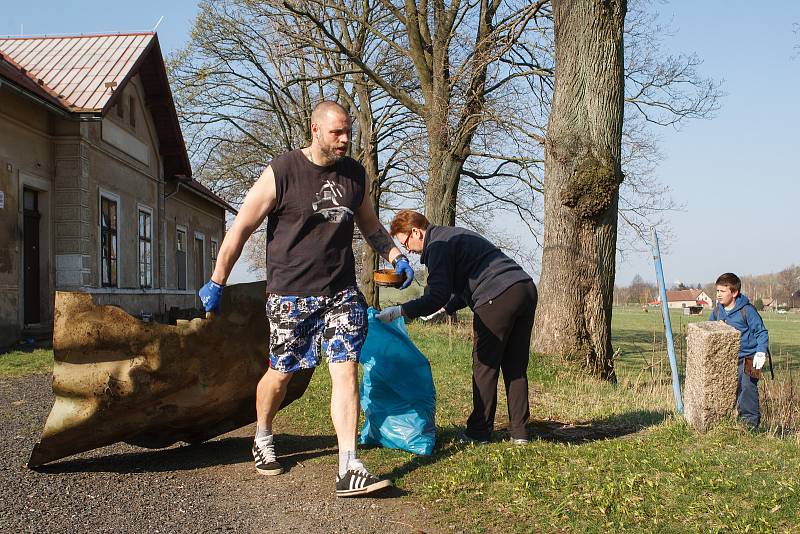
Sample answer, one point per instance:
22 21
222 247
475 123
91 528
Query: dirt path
207 487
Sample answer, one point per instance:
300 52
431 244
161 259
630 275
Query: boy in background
735 310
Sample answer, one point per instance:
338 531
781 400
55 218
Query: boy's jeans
747 398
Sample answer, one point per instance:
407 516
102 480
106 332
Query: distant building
96 189
687 298
770 304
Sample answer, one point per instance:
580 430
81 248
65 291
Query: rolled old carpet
116 378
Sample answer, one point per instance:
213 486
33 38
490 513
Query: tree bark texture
582 178
441 190
370 260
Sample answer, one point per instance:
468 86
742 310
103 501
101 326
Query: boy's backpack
715 313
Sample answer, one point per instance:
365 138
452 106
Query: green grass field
608 458
639 338
605 458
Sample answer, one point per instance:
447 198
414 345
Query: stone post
711 373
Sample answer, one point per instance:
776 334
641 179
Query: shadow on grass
292 450
615 426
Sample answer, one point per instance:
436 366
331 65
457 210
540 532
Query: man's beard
330 153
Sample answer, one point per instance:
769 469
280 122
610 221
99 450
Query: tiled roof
9 70
81 72
197 187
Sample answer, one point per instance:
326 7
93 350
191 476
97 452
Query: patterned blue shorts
301 327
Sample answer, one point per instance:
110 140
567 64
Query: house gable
86 76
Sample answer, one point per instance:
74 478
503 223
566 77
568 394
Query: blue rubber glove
401 266
211 296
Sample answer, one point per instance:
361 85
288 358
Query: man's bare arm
374 232
258 203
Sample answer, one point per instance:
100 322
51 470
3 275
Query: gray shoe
520 441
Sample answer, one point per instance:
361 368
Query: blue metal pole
676 384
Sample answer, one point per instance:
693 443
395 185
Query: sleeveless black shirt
310 231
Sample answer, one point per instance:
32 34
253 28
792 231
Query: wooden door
30 259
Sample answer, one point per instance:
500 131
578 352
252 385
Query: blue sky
57 17
737 175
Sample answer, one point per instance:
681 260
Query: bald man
312 197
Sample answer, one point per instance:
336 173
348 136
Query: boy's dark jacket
754 336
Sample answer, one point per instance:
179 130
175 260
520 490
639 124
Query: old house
96 189
688 298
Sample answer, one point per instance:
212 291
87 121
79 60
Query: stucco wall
197 216
10 247
26 159
681 303
117 170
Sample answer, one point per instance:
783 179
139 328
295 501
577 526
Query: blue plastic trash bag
397 393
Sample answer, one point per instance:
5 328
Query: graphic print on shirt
327 204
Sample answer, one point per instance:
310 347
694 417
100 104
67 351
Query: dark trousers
502 337
747 398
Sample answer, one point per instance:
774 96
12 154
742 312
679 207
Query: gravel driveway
207 487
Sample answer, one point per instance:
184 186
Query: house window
109 247
213 253
145 248
180 257
120 112
132 112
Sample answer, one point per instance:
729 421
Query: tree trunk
441 191
370 260
444 169
582 178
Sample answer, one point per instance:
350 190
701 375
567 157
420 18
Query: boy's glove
759 359
431 316
390 314
401 266
211 296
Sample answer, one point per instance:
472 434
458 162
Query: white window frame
110 195
185 230
149 210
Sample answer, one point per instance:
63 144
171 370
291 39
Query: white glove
759 359
390 314
431 316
